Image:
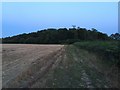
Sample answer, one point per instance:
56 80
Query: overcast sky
25 17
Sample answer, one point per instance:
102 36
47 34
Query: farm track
74 71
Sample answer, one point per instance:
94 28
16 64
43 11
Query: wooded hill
58 36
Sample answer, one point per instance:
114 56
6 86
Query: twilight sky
25 17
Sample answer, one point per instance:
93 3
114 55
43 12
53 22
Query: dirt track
18 60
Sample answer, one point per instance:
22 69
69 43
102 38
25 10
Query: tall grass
108 50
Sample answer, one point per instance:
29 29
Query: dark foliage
57 36
115 36
109 51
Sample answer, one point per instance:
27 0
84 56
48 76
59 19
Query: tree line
60 36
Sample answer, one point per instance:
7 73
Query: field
56 66
18 58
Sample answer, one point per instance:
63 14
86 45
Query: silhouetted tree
115 36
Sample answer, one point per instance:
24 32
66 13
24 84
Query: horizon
27 17
56 29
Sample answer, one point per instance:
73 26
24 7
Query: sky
26 17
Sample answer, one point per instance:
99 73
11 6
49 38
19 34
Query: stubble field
19 58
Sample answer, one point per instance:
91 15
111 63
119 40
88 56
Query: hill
57 36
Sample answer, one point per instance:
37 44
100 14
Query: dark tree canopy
58 36
115 36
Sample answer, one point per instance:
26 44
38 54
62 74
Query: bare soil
17 60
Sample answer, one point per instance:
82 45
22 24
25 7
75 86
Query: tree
94 30
115 36
57 36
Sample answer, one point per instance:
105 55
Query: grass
106 50
67 74
82 67
107 58
76 71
